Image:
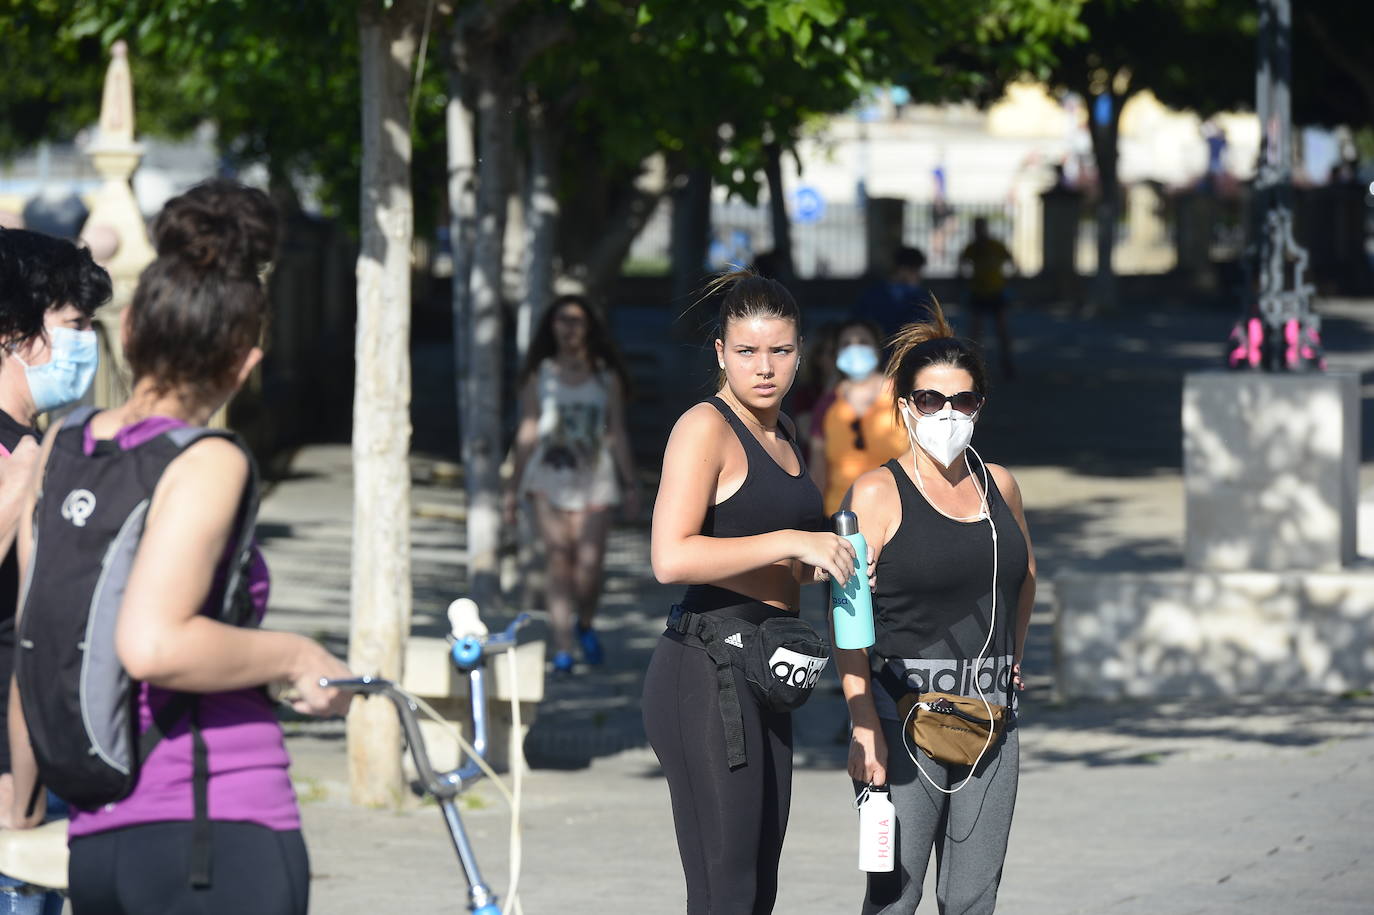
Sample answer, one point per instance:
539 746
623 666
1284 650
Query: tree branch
537 38
1357 70
630 216
481 16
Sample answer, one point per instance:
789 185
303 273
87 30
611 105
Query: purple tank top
247 754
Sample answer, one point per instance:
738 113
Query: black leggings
144 870
730 824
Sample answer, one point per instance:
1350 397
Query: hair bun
219 226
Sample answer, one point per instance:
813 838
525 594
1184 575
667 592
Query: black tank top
934 598
769 499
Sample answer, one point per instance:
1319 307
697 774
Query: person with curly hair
49 290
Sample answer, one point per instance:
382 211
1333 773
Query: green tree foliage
51 76
707 82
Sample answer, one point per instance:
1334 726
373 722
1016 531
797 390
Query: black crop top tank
934 599
769 499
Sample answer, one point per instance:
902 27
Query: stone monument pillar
884 219
1060 210
115 230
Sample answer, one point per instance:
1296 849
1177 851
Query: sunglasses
928 402
858 431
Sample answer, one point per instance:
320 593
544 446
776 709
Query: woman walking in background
739 522
569 446
954 587
211 824
854 432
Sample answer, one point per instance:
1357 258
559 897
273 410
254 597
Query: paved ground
1251 805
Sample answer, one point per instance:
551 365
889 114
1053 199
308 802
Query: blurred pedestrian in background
816 379
985 263
853 431
573 461
900 298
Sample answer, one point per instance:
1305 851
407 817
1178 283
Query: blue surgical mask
857 361
65 378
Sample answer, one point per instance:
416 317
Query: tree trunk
1104 138
597 268
783 266
381 591
483 429
541 224
462 166
691 235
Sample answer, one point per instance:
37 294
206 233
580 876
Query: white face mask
943 435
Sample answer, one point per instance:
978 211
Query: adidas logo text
735 640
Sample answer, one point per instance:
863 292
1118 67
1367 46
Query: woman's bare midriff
775 585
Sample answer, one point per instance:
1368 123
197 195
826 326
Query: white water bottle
877 830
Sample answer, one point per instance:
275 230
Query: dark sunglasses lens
928 402
967 402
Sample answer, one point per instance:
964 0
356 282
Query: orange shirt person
854 434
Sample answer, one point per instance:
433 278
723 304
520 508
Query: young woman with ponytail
739 522
954 582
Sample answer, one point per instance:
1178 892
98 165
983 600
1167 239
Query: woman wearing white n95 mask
954 585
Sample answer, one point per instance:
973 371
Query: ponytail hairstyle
201 306
926 343
601 348
748 295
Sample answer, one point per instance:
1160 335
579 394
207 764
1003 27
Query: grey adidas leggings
968 830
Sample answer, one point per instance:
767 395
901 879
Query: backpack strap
200 793
79 416
237 609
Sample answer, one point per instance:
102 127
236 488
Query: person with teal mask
49 290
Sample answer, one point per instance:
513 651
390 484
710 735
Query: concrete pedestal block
430 675
1271 467
1213 634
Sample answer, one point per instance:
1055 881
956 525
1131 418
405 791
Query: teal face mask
66 377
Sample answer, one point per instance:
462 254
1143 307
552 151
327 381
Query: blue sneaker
562 664
592 652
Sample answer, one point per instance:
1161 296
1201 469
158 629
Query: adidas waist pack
782 658
80 705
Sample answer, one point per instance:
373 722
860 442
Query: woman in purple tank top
191 337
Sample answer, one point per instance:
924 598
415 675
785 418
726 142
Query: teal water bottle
851 603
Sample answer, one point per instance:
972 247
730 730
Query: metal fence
943 230
831 245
